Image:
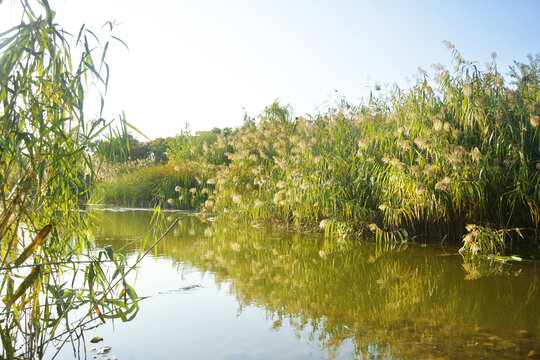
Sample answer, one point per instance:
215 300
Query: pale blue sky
201 62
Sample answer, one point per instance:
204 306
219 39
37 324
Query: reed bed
459 150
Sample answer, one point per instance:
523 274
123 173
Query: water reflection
388 301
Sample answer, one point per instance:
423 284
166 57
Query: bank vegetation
455 157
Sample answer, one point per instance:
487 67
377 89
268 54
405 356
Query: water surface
239 292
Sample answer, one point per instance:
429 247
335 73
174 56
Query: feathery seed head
277 196
444 184
456 160
476 155
448 45
467 90
459 151
405 145
324 223
237 199
398 164
362 144
430 170
534 120
509 163
422 142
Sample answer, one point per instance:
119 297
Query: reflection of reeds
340 291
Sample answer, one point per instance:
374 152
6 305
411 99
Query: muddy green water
238 292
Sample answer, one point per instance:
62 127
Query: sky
206 62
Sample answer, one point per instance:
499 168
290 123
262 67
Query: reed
165 185
460 147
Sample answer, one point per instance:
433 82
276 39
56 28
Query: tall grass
152 185
179 184
458 148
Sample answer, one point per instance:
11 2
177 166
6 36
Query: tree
126 148
44 140
120 148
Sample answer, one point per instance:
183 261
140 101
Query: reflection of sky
203 323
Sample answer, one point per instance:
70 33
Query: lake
216 291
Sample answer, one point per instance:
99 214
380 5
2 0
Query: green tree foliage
48 264
195 147
158 148
127 148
